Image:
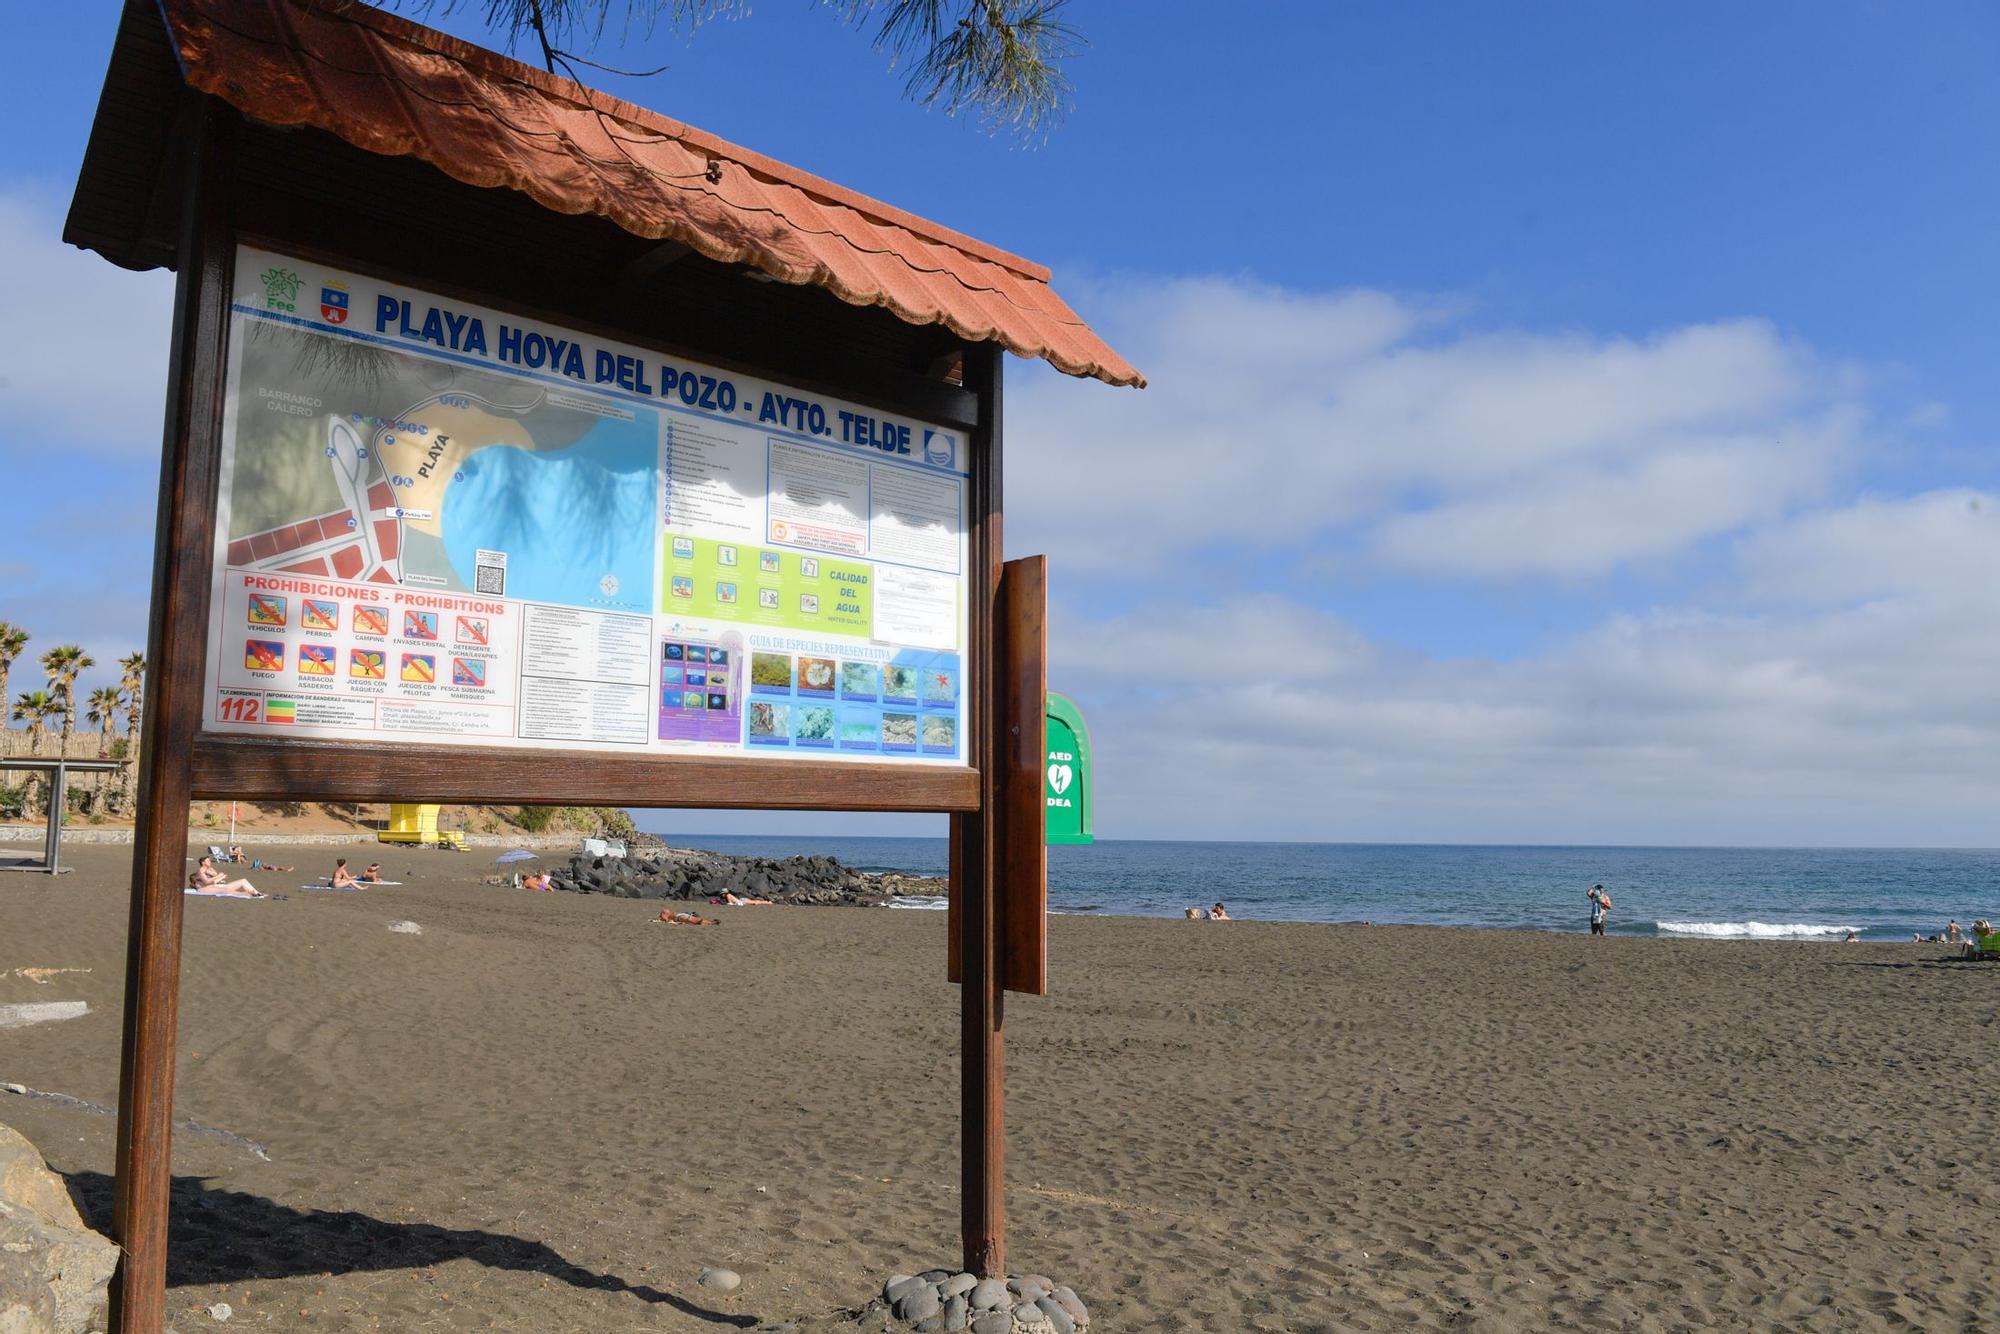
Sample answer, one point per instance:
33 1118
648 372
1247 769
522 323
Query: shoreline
1670 893
908 889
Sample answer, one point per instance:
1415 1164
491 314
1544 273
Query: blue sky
1569 422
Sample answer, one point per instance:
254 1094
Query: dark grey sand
545 1114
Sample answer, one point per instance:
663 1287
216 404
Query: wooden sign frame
994 802
1023 879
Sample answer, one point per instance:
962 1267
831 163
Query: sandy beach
545 1114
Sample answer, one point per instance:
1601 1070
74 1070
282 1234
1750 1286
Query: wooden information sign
476 499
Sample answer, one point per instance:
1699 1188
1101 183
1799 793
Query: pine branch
1000 59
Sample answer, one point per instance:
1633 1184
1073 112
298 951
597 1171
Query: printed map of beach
365 465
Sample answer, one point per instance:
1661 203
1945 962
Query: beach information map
439 522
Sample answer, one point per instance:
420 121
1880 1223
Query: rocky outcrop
699 876
54 1271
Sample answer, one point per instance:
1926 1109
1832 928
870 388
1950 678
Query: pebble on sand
989 1294
899 1286
723 1280
919 1303
1073 1304
938 1301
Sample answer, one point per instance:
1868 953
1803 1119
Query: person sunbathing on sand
1218 913
537 881
1195 914
342 877
735 900
371 874
672 918
209 881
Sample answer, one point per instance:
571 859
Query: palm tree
105 701
12 640
63 664
133 683
35 708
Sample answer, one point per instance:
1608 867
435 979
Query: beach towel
331 889
212 894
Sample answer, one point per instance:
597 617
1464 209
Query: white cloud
1590 518
1823 677
1874 723
83 343
1274 419
1939 545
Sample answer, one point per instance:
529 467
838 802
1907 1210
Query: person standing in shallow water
1600 908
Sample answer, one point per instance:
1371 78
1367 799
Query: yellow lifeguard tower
413 823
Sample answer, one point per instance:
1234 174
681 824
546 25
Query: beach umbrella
517 855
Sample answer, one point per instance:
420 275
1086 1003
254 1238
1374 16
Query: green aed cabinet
1066 780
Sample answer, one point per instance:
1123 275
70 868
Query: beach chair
1989 945
217 853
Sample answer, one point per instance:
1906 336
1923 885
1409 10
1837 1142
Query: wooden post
976 839
1022 624
182 556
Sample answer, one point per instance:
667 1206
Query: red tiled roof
390 86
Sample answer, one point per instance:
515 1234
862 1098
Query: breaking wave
1753 930
927 902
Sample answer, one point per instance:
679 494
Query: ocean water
575 523
1743 893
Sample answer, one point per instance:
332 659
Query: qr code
490 579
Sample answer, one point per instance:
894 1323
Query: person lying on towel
206 879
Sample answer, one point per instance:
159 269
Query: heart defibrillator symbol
1060 778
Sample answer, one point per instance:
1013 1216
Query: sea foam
1753 930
